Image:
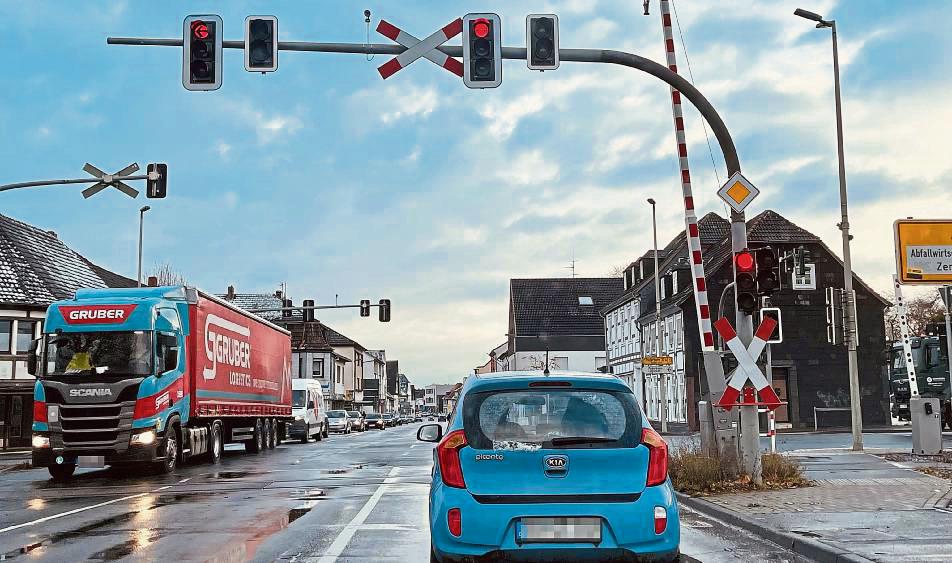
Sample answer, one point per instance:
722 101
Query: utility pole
662 380
141 222
849 311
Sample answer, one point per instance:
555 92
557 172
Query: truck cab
109 371
931 360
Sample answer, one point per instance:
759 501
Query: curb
17 467
815 550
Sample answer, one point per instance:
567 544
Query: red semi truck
155 375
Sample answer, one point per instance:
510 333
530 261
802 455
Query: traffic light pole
38 183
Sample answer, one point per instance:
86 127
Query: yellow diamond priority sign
738 192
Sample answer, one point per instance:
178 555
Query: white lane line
83 509
343 538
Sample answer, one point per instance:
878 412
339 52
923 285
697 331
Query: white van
308 409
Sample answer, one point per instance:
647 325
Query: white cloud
596 31
621 149
223 149
269 127
409 101
414 155
529 168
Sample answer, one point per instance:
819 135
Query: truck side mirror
171 360
32 360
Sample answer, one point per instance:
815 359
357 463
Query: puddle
234 474
807 534
141 539
310 494
297 512
335 471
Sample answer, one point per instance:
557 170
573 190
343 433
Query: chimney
230 296
278 294
286 303
153 281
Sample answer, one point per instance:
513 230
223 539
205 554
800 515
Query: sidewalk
14 459
862 509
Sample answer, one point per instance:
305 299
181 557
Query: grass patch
697 473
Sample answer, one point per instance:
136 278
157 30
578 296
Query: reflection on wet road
357 497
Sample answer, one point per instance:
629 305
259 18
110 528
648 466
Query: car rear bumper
489 530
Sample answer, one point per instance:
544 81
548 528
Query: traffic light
261 43
365 307
542 41
385 310
308 313
482 50
768 271
156 189
745 284
201 48
774 313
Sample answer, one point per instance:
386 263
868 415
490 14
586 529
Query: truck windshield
898 361
99 353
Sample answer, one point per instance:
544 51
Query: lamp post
141 221
662 382
850 310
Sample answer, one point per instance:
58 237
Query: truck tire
326 432
170 459
216 444
320 433
272 433
307 434
254 445
62 472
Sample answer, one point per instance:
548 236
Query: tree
920 311
617 271
167 275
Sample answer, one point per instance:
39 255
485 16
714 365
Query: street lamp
850 309
141 221
663 411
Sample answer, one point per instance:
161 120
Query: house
807 371
36 269
558 319
351 374
433 397
392 386
403 392
451 398
375 380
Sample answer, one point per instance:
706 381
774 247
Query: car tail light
454 519
660 519
657 457
448 454
39 412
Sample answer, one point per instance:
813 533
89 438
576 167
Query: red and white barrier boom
747 368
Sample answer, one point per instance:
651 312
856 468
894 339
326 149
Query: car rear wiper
575 440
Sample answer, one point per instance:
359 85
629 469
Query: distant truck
155 375
931 359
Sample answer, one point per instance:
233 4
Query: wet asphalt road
359 497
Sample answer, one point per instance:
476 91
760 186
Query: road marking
78 510
343 538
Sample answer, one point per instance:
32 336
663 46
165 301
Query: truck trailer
153 376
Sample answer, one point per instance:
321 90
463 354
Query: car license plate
559 530
95 461
904 406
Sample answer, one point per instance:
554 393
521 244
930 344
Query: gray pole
141 222
663 411
749 420
850 309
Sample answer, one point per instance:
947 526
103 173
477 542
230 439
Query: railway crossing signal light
308 312
774 313
385 310
261 43
542 41
768 271
156 189
201 53
365 307
482 50
745 284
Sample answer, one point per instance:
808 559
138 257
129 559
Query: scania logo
90 392
556 462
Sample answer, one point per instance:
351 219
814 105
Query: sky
344 186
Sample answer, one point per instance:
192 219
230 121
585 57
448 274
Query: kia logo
556 463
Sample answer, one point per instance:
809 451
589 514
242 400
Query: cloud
223 149
409 101
529 168
620 150
414 155
269 126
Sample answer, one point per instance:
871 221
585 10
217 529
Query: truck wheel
326 433
320 433
62 472
273 433
307 434
170 460
216 445
254 445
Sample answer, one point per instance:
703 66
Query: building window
340 374
6 328
24 336
317 367
585 300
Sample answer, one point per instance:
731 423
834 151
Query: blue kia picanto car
550 467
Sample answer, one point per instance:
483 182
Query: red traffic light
481 28
199 29
744 261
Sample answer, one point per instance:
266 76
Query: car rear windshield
373 417
550 418
354 414
336 414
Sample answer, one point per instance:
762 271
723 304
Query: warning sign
924 251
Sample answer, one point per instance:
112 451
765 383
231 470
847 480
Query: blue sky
326 177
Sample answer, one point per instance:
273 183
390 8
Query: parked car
339 421
308 410
375 420
528 458
357 420
441 418
417 418
389 419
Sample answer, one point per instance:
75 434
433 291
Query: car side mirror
171 360
429 433
310 404
32 361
